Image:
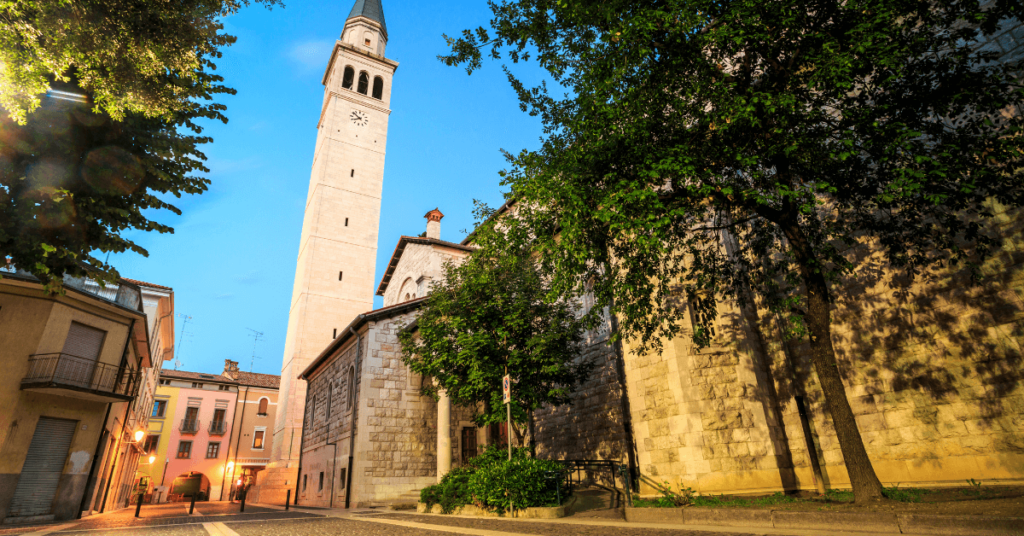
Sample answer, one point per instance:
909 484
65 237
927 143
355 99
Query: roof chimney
231 369
434 223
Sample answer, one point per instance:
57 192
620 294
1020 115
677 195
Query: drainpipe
86 497
355 406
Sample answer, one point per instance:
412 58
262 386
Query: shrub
522 480
451 492
495 454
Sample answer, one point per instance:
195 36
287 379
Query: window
366 42
346 81
212 450
165 382
335 334
224 387
191 414
341 274
257 439
378 87
159 409
353 174
343 471
197 385
351 386
304 482
185 449
346 222
321 486
264 403
364 83
152 442
218 415
84 342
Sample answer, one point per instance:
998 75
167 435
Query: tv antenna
255 339
181 338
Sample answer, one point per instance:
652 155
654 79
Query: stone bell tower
334 279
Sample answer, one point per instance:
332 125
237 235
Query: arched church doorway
187 484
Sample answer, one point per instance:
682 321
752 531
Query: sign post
506 397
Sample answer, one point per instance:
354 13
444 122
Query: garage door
44 463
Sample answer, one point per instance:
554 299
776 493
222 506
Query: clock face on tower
360 118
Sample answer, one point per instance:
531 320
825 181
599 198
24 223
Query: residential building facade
252 427
72 361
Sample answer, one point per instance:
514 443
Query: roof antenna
255 339
181 338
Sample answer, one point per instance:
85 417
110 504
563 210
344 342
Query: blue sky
231 260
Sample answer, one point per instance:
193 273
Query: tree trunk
866 486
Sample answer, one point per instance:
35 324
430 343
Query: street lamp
152 459
139 434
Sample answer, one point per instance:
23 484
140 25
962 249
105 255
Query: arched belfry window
346 81
264 405
364 83
378 87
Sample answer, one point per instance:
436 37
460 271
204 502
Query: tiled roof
255 379
370 9
400 248
145 284
186 375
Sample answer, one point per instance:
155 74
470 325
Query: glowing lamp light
139 435
152 459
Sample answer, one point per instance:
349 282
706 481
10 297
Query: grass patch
909 495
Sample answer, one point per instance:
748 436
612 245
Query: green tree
490 314
706 149
128 83
71 181
146 57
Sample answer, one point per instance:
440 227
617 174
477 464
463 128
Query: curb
876 522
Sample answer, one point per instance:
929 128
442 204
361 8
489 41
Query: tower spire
370 9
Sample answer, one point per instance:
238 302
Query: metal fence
73 371
218 427
189 426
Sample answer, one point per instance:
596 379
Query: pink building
199 414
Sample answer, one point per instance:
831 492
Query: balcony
77 377
189 426
218 428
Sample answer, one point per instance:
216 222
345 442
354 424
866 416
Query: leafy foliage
754 150
140 57
523 481
489 479
490 314
451 492
71 181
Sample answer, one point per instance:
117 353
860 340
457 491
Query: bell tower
334 274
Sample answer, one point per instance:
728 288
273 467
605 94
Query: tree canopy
145 57
104 101
488 315
708 149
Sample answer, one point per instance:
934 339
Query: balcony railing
218 427
189 426
68 372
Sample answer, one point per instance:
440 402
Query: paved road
223 519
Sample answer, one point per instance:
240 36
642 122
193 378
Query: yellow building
70 362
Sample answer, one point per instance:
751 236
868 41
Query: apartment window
151 444
257 439
224 387
165 382
212 450
159 408
185 449
218 415
321 486
196 385
264 404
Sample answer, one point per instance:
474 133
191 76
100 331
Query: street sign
506 390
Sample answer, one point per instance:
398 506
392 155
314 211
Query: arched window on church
264 404
351 387
364 83
378 87
346 81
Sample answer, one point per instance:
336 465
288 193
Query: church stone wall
933 371
419 260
